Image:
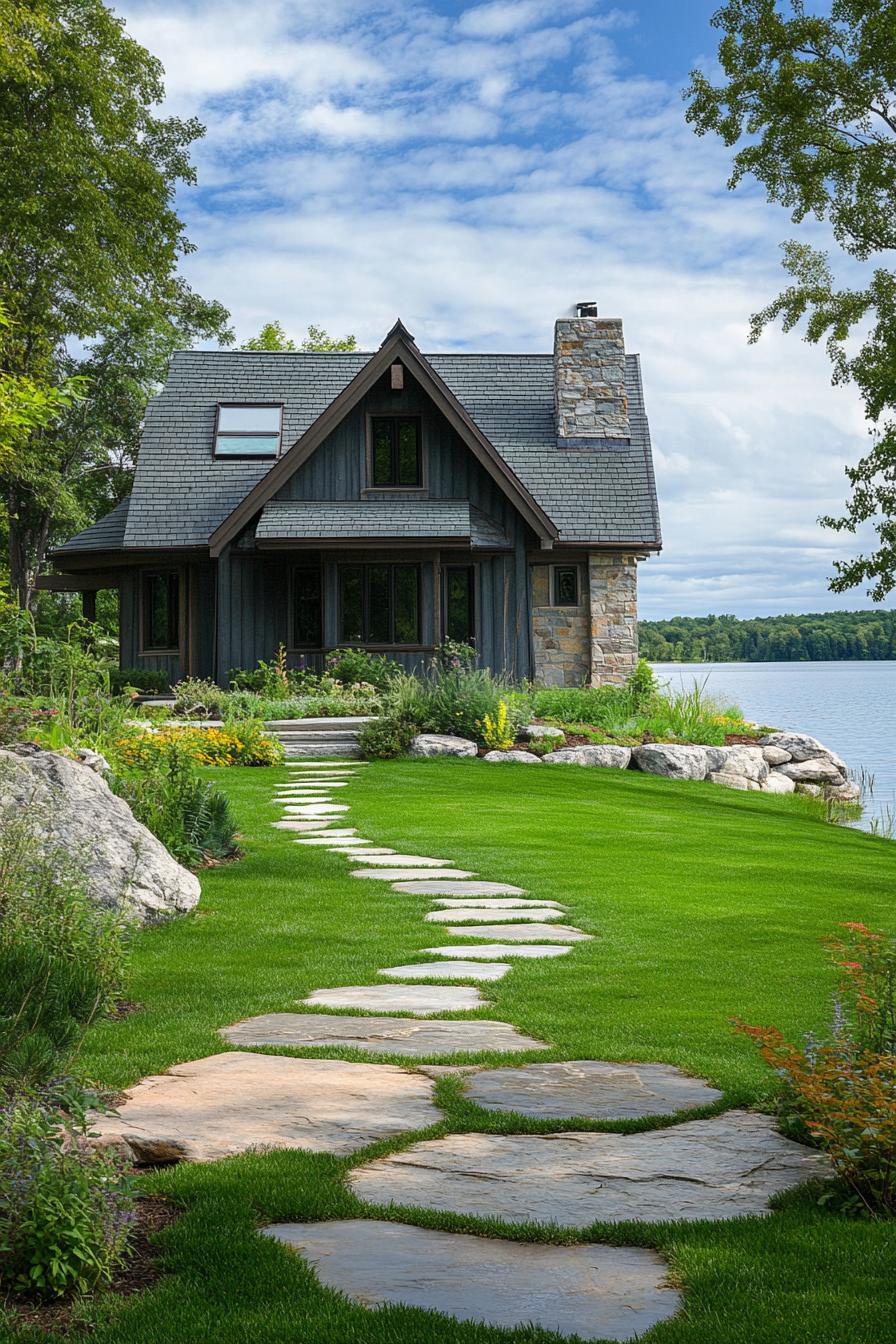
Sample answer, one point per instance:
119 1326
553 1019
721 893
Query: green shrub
188 814
460 700
61 956
149 680
384 738
351 666
199 698
543 746
21 721
66 1208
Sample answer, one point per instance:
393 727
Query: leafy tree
833 635
90 242
27 405
273 337
810 101
317 339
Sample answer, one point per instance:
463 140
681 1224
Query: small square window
566 586
395 458
247 430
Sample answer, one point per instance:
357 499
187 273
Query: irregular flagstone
469 914
383 1035
296 808
393 874
322 763
416 999
344 841
414 861
493 951
592 1088
317 809
448 970
725 1167
523 933
325 830
362 854
227 1103
293 824
440 887
592 1292
497 903
306 783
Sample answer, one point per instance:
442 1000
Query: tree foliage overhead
90 243
832 636
810 102
273 337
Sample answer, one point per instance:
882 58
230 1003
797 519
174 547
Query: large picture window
395 457
379 604
306 607
246 429
161 612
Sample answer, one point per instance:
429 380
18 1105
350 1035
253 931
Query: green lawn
705 905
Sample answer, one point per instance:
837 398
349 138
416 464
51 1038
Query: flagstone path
726 1165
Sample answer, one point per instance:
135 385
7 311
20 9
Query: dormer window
248 429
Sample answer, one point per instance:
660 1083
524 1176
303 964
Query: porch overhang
393 522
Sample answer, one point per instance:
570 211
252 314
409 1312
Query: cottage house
390 500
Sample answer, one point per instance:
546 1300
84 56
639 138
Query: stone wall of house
590 399
561 636
613 596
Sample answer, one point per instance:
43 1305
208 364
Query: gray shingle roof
600 493
287 519
107 534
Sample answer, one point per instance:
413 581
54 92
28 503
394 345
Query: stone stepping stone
291 824
419 1000
494 951
327 765
375 852
325 830
390 874
228 1103
317 809
344 841
592 1292
448 970
439 887
307 783
413 861
383 1035
725 1167
290 809
471 915
497 903
522 933
590 1088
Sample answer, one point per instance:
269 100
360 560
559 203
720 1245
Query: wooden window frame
391 565
369 486
294 644
555 600
173 650
446 567
244 433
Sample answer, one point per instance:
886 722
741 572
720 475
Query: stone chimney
589 377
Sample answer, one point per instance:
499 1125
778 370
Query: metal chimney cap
586 309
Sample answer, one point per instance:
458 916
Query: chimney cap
588 308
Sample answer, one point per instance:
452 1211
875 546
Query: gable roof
399 344
107 534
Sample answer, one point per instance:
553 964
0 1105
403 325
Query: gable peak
398 332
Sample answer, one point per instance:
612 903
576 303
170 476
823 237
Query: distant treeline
818 637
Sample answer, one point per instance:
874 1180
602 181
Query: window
161 612
566 586
460 623
395 458
306 607
379 604
247 430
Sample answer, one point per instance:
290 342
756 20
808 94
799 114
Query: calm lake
850 707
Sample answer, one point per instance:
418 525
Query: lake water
850 707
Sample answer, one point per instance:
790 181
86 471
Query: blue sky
476 169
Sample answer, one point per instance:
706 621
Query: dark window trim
448 565
555 597
391 565
245 433
295 646
144 651
369 487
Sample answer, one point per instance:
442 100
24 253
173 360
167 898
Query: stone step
495 951
409 1036
470 914
393 874
590 1088
448 970
522 933
418 1000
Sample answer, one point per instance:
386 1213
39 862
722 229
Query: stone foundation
613 595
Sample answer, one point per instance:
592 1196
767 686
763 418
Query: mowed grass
705 905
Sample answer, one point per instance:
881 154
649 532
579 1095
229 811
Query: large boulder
728 780
672 760
818 770
522 757
744 761
536 730
801 747
72 806
441 744
778 783
607 755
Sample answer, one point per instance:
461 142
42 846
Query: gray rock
322 809
419 1000
407 861
439 887
441 744
778 783
291 824
409 874
369 853
519 757
343 841
522 933
590 1088
74 809
733 781
228 1103
472 914
414 1037
93 760
815 770
533 731
496 903
448 970
671 760
608 757
724 1167
745 762
850 792
775 755
810 790
801 747
592 1292
492 951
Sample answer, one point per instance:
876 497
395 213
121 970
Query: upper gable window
248 429
395 457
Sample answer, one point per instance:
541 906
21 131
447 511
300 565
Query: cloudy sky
476 169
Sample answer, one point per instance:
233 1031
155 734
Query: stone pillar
613 595
561 646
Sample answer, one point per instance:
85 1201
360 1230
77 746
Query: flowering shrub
497 731
844 1090
18 721
195 697
245 744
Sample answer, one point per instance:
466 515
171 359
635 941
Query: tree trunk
27 551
